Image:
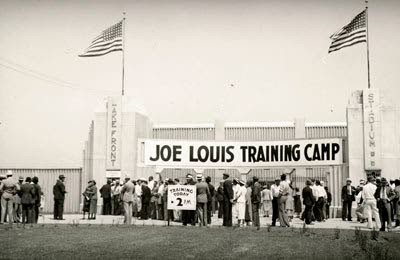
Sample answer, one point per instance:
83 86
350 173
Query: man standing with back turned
228 199
59 197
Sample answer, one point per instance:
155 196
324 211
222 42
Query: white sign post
181 197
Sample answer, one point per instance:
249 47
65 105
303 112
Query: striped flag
108 41
353 33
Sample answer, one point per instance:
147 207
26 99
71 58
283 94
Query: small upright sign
372 130
182 197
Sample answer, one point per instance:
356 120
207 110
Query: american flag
353 33
108 41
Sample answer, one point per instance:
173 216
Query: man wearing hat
127 197
59 197
9 188
228 200
384 195
189 216
146 197
255 201
203 193
348 196
308 201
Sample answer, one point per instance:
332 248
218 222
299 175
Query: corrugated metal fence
47 179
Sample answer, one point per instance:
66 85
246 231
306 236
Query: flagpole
366 23
123 55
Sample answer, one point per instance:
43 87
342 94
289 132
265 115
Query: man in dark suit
255 201
384 194
348 196
105 193
27 192
37 198
308 201
202 195
146 197
228 200
220 199
210 199
189 216
59 197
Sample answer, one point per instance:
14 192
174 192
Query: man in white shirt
151 183
284 192
320 194
138 193
370 208
275 188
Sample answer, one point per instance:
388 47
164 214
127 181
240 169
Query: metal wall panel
325 131
259 133
47 179
184 133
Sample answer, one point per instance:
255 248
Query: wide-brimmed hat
199 176
61 177
9 173
348 180
226 174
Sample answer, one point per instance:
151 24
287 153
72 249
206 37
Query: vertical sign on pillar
114 116
372 130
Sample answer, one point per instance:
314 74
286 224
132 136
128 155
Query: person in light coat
241 202
127 197
248 213
266 198
235 188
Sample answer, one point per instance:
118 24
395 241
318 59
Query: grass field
138 242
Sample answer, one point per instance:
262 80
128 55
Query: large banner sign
226 154
372 133
113 161
182 197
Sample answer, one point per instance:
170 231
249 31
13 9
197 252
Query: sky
185 62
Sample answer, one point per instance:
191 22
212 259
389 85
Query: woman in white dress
241 203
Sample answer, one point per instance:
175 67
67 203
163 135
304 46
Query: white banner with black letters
226 154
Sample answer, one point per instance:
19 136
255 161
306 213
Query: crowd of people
20 201
377 202
237 202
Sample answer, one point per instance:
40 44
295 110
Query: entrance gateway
123 141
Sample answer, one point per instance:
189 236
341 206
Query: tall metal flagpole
366 23
123 55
